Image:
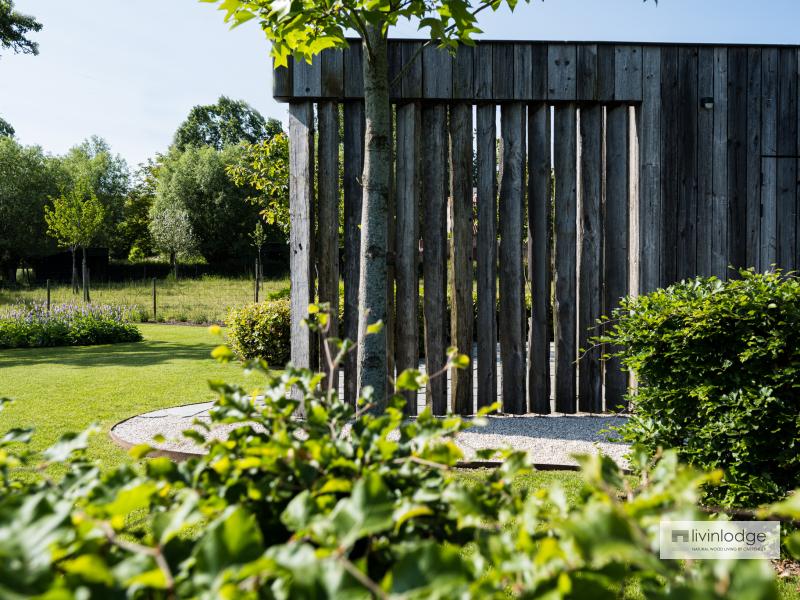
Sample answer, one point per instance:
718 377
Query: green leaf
375 328
67 445
231 539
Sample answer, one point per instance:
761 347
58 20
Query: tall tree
226 122
306 27
172 233
74 221
133 233
14 29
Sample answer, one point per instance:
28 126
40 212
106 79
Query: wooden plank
463 68
627 73
503 67
606 58
282 80
307 78
720 259
351 184
650 215
487 253
437 73
787 167
408 164
669 164
753 152
482 72
564 314
705 147
354 71
391 241
633 202
523 82
395 62
616 238
737 156
301 190
562 63
434 235
332 74
687 162
412 80
590 263
512 301
539 243
587 72
539 71
328 225
768 246
461 243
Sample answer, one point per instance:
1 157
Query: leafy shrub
333 506
262 331
31 325
718 371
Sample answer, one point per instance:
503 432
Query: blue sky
130 70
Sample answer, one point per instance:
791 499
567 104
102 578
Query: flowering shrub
31 325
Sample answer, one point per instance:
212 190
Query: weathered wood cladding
669 161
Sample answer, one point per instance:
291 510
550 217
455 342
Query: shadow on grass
136 354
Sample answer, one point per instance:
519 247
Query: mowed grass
204 300
57 390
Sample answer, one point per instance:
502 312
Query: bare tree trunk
85 277
173 258
74 272
376 176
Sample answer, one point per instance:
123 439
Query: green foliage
335 505
14 29
262 331
33 326
6 130
76 216
133 232
171 231
718 372
225 123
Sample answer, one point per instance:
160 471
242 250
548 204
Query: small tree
74 220
259 238
172 234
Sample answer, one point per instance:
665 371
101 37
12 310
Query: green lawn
204 300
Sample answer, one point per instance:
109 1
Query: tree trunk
10 271
74 272
372 276
173 258
85 277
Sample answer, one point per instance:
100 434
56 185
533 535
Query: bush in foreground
333 506
718 371
32 326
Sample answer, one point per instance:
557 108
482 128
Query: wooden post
255 283
768 250
512 301
391 243
564 314
539 242
462 315
328 215
434 233
487 254
650 214
407 328
590 265
616 238
154 300
301 181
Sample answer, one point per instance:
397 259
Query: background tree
74 221
224 123
14 29
134 231
27 179
259 237
6 130
304 28
172 233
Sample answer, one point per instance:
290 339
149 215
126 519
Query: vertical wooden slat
564 314
687 162
539 240
391 242
412 80
307 78
282 80
605 72
670 137
769 148
616 238
539 71
650 215
395 61
434 234
437 73
407 330
720 259
353 167
587 72
487 253
332 74
328 220
523 82
512 300
301 178
787 166
462 315
482 72
753 152
634 218
503 71
737 156
463 72
354 71
590 264
705 163
562 65
627 73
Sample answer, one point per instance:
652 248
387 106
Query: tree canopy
6 130
14 29
224 123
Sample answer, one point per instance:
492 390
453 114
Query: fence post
256 282
154 299
48 295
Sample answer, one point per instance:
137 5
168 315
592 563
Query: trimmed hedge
32 326
718 371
